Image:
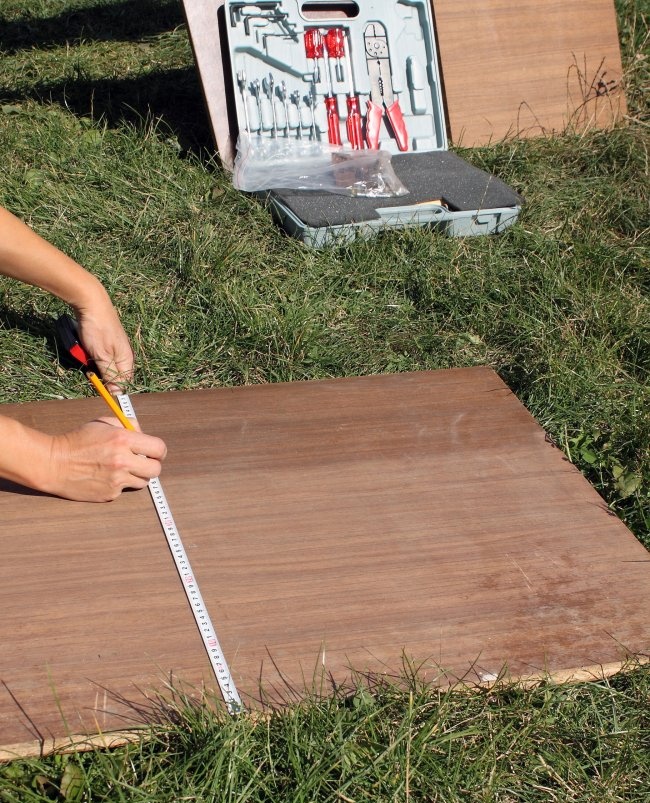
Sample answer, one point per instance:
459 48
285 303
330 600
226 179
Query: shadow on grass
41 327
172 97
129 20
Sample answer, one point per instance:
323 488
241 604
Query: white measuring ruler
201 615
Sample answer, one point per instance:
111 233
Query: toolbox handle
326 9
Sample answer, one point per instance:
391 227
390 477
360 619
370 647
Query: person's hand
103 338
96 462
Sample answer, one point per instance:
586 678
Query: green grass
105 151
586 743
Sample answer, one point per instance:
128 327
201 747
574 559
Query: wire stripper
382 97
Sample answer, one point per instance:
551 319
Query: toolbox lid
412 42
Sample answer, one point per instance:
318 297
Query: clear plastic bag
264 163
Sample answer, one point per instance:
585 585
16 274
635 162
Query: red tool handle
394 114
313 43
373 122
333 130
353 123
396 119
335 43
66 328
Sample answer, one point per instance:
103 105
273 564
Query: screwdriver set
360 75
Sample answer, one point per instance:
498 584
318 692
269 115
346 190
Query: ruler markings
201 616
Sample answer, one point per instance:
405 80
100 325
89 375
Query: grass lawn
105 150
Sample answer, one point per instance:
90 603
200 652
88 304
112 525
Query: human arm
98 460
26 256
93 463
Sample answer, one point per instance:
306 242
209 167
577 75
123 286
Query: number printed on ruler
201 615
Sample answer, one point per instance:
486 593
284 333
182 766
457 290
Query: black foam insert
428 175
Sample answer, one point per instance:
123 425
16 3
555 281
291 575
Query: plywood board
528 68
205 27
338 524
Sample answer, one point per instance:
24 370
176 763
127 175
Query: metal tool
253 110
267 116
257 89
270 86
310 100
285 103
382 98
267 12
191 587
316 50
353 123
241 81
295 100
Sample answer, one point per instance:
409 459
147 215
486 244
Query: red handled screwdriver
314 47
335 42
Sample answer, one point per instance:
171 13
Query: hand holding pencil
100 459
96 462
93 463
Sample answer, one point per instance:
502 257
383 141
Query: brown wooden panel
528 68
202 18
332 524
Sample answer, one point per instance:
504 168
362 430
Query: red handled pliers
382 97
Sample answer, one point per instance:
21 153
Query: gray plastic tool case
280 92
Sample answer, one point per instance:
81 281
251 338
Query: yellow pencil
99 387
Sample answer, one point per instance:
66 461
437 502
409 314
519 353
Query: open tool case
364 74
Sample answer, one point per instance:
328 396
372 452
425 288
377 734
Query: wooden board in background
333 524
528 68
202 17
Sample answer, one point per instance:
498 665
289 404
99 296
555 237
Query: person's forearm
22 453
26 256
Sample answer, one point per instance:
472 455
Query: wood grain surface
202 17
528 68
332 525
